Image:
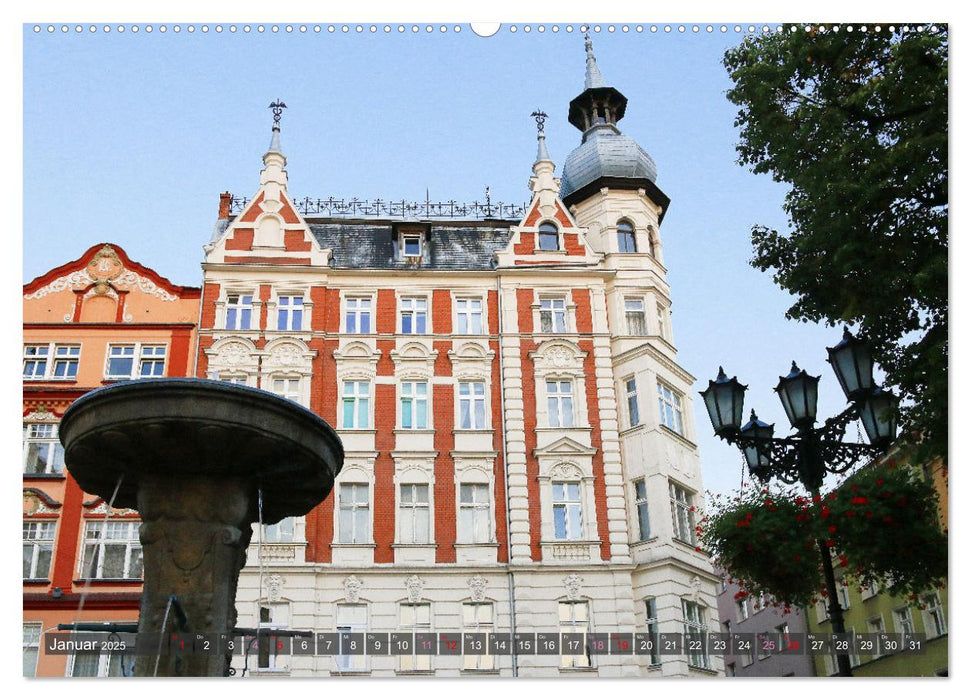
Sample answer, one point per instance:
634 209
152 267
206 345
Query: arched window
625 237
652 243
549 236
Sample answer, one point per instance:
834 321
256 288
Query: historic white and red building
519 436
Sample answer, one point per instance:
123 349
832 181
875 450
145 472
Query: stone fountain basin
187 428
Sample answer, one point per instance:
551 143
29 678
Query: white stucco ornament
352 588
572 583
477 586
416 586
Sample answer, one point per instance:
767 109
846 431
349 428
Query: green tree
856 125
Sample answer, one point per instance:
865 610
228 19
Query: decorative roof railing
398 209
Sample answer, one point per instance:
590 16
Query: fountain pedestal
193 456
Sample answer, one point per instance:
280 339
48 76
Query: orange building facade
93 321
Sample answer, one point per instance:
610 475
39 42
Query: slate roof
371 245
605 152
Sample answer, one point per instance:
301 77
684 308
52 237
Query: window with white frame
874 625
472 408
844 596
741 609
413 514
356 400
135 361
469 316
695 617
669 405
239 312
559 402
415 617
357 315
765 643
870 589
634 313
233 378
289 313
935 625
567 511
575 619
650 605
352 619
32 632
549 236
903 621
282 531
112 550
411 243
782 636
43 453
477 618
626 242
272 616
822 610
414 405
354 514
38 548
633 414
474 514
104 665
38 364
640 503
287 388
552 315
854 657
662 321
682 513
414 315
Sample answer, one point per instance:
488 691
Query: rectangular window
822 611
413 513
469 314
741 609
412 246
869 590
765 644
474 507
682 513
662 321
38 548
567 511
414 315
669 405
844 595
630 386
415 617
552 315
289 315
112 550
282 531
239 312
625 240
357 405
414 405
122 361
272 616
288 389
357 315
634 311
575 619
352 618
640 503
549 237
233 378
477 618
354 514
695 618
43 453
559 398
902 620
105 665
37 363
935 624
875 625
472 408
652 630
32 631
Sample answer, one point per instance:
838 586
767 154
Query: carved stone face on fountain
192 455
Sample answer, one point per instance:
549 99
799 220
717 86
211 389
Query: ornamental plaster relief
123 279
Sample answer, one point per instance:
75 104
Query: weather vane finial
540 117
277 108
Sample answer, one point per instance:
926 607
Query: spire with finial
277 108
541 153
593 77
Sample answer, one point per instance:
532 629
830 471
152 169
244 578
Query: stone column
194 536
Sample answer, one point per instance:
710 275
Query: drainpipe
510 577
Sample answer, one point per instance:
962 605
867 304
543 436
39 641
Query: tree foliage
856 125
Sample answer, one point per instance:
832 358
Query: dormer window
549 236
412 245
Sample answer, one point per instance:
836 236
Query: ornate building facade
519 436
95 320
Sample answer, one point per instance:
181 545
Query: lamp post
807 456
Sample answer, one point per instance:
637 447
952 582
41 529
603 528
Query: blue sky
130 138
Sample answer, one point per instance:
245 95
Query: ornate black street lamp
811 453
